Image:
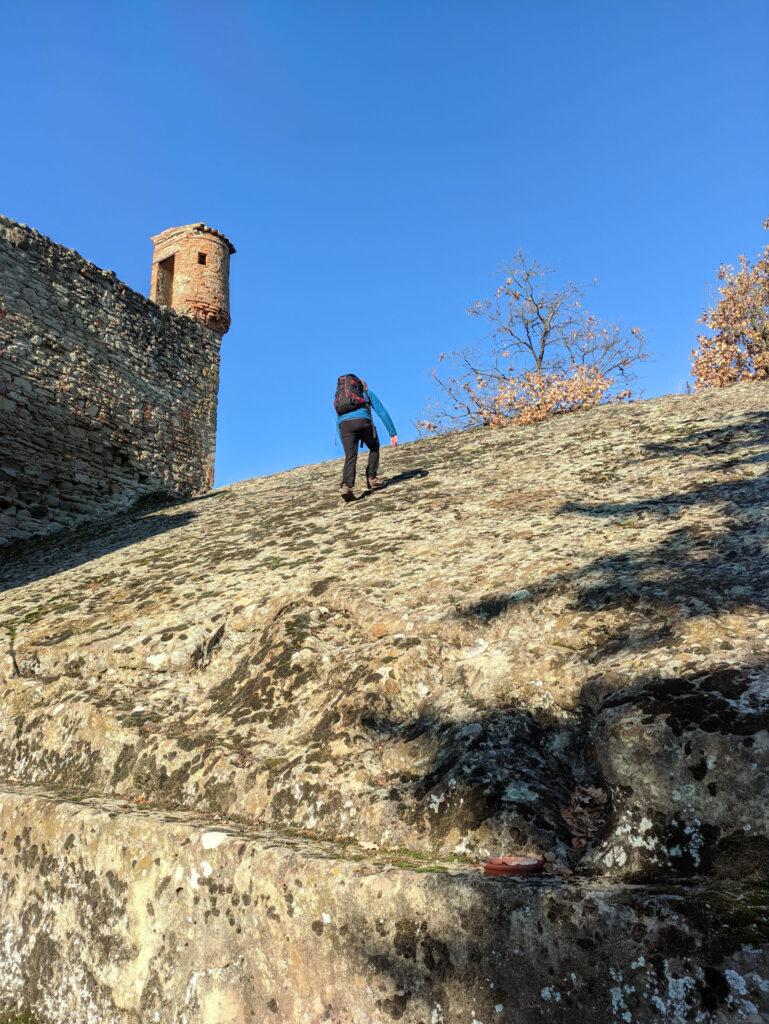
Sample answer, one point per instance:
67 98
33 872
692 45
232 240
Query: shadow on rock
678 679
457 774
685 752
40 559
751 431
457 948
402 478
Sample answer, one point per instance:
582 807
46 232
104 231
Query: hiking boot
373 483
348 494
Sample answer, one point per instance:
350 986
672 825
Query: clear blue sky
375 161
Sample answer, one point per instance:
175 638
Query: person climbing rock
353 404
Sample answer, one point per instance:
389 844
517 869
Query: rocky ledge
253 747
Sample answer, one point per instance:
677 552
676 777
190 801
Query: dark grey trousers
353 432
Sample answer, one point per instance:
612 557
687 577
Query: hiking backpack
350 394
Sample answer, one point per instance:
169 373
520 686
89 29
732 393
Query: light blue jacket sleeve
382 413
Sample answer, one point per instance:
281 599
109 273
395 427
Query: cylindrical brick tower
191 273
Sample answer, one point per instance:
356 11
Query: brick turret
191 273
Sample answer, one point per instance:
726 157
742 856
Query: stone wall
105 397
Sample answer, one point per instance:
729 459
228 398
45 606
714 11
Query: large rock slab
548 640
112 914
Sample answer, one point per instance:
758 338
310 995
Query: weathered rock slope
252 746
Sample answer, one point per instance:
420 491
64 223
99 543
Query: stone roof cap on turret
199 227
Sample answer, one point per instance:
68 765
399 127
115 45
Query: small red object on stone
512 865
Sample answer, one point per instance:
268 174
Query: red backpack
350 394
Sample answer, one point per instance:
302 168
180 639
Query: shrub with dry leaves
738 348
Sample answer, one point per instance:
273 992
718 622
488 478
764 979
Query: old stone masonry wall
105 397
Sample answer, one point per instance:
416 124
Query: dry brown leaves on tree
738 348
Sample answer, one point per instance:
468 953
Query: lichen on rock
549 640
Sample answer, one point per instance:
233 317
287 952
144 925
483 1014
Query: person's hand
393 440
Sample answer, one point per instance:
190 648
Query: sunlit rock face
255 745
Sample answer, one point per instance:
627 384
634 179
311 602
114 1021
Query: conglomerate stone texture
105 397
253 746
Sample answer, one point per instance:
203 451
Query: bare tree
546 355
